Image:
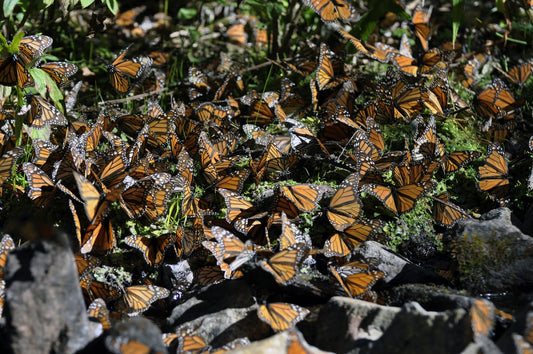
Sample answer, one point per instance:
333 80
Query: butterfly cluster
231 172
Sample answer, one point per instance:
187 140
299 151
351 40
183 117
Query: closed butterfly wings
13 69
494 174
139 298
345 206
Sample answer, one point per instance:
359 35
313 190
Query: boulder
289 341
492 254
44 307
345 323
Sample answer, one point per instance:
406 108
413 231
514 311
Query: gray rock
220 313
430 297
397 269
415 330
517 338
139 332
492 254
280 343
44 309
345 323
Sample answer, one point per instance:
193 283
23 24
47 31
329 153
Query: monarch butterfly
472 67
436 98
190 342
44 113
339 126
99 236
326 77
125 73
7 161
94 289
400 102
152 248
482 317
421 26
13 68
366 154
397 199
59 72
98 311
209 112
427 145
234 181
291 234
2 295
302 137
285 264
6 245
157 200
281 316
493 175
519 74
331 10
43 150
427 62
139 298
305 197
457 159
374 134
85 262
94 207
335 247
230 252
208 275
134 347
238 210
497 101
363 47
272 161
41 186
345 207
358 233
359 278
127 18
446 213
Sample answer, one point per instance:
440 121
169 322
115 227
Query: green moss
479 255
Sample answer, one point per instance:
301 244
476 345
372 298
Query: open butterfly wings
153 249
281 316
285 265
331 10
124 73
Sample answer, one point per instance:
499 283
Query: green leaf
8 7
112 5
457 17
39 76
47 3
85 3
186 14
13 48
